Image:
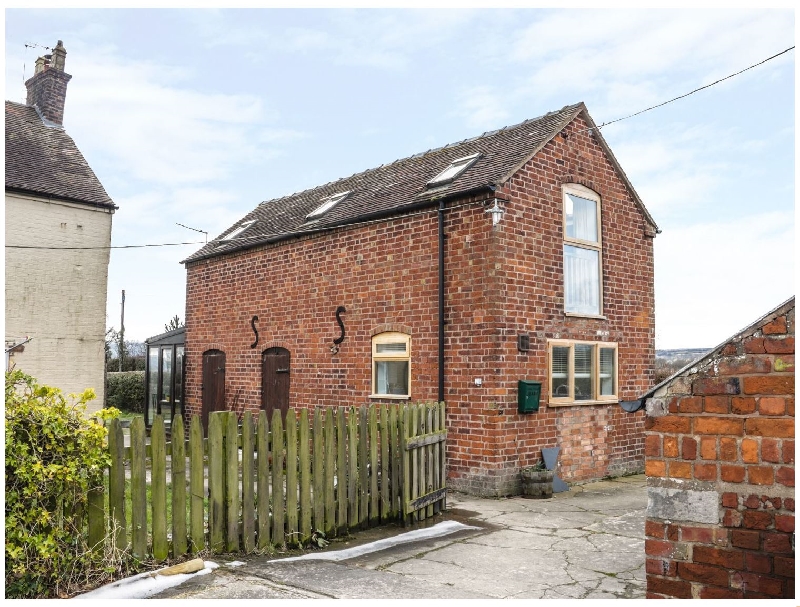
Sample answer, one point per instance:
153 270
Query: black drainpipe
441 301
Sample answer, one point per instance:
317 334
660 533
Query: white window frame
597 246
596 397
238 230
454 170
392 337
327 204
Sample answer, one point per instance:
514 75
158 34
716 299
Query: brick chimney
47 89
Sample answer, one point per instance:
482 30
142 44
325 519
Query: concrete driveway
584 543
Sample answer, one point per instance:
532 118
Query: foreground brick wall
499 281
720 465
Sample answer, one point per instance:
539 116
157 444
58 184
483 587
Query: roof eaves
433 197
104 205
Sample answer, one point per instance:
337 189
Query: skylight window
239 230
455 169
327 204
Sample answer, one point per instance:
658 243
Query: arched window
391 365
583 275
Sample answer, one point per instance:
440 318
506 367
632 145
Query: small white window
391 365
327 204
454 170
239 230
582 372
583 290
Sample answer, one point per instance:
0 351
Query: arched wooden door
213 383
275 373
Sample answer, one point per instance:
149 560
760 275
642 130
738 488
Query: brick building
521 254
720 467
58 230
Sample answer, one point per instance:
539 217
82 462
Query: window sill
594 316
575 403
390 396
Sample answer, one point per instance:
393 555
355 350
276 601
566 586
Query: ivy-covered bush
54 455
125 391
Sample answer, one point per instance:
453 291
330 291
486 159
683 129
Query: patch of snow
438 530
235 564
143 585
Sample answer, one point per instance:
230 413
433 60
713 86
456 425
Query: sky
195 116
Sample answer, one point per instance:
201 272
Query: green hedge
54 455
125 391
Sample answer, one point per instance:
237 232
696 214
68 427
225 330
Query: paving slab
584 543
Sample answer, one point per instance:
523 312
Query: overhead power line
126 246
698 89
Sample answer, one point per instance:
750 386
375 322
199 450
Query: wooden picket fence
251 484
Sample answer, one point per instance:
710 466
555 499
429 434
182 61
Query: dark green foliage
54 455
125 391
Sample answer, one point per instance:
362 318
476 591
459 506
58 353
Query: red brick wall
499 281
726 429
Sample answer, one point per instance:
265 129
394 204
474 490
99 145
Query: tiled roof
42 159
401 185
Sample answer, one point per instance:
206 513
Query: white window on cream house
391 365
582 372
583 288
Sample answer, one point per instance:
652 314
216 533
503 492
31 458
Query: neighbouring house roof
404 185
176 336
41 159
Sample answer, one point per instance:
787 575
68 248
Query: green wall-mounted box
528 398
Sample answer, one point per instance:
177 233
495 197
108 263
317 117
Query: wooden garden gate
423 452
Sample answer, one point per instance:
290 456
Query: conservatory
164 376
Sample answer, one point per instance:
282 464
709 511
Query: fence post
305 478
248 500
96 513
405 421
330 472
158 488
341 471
138 489
352 465
178 476
442 449
318 491
197 484
216 482
396 462
374 513
232 493
116 485
262 474
278 531
384 444
291 477
363 470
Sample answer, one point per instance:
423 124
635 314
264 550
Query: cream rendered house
58 230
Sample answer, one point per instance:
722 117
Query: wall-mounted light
496 211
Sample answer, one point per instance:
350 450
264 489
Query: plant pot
537 483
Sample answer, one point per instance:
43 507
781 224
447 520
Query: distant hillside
687 354
669 362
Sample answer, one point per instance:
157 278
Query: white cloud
482 107
713 279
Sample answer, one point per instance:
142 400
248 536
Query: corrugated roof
42 159
401 185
